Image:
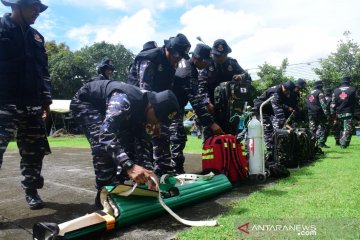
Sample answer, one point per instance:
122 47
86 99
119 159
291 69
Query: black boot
98 204
33 199
180 169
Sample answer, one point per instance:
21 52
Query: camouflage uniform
273 113
186 89
318 113
343 105
152 71
114 126
216 73
24 94
332 125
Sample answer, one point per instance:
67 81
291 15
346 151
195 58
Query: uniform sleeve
146 75
332 104
278 108
323 104
240 70
117 114
204 86
197 102
46 83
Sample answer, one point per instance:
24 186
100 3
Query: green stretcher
141 205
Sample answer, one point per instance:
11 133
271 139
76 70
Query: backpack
230 99
225 154
284 147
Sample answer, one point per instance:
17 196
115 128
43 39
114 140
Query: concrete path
69 193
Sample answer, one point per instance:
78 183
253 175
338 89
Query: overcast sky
258 31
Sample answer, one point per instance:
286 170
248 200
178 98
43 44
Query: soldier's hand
46 112
238 77
211 108
151 185
216 129
141 175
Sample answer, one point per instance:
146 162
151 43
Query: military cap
345 80
289 85
317 84
149 45
220 47
328 91
178 46
165 105
300 83
202 52
9 3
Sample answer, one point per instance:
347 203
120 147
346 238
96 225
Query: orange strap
110 220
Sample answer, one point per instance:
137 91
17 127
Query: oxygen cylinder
255 147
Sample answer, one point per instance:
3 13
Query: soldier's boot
33 199
98 204
179 169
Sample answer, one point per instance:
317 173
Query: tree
270 76
121 57
344 62
69 70
66 73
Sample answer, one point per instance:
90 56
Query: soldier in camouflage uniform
25 92
119 120
273 112
332 127
343 105
185 87
319 115
291 104
221 69
154 70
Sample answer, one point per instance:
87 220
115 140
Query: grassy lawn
71 142
321 199
194 145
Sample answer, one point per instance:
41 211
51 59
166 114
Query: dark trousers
31 140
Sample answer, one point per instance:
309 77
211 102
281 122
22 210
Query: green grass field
320 201
194 145
322 198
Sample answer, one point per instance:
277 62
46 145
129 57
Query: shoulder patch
37 38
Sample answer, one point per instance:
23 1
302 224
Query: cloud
124 5
131 31
257 31
270 31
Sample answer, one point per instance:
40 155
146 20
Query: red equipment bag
225 154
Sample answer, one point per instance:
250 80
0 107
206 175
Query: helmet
105 63
9 3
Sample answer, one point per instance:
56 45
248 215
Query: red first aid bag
225 154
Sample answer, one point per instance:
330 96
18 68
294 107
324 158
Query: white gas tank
255 147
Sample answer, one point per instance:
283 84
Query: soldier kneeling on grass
119 121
